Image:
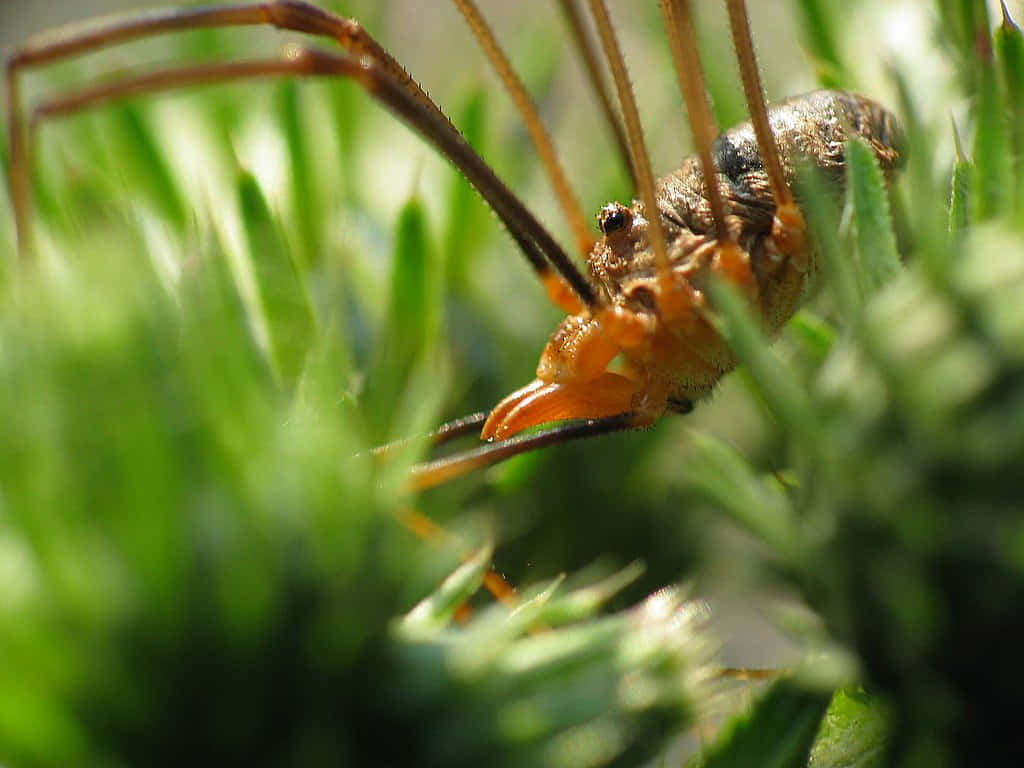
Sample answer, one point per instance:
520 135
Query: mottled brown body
682 357
814 126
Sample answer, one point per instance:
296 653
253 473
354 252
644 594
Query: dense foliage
234 294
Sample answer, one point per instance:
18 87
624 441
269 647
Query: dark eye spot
614 218
643 296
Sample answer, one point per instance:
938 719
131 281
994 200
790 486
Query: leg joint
303 17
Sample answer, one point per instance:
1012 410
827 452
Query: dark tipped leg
431 473
365 60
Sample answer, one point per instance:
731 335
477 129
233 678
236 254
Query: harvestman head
644 301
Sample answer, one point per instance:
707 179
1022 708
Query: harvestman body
681 358
645 299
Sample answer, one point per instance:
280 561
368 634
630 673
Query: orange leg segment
733 264
560 293
789 231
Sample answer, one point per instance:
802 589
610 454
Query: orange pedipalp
498 414
539 403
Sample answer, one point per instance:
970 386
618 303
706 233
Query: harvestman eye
614 218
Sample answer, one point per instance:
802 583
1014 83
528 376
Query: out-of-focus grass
239 289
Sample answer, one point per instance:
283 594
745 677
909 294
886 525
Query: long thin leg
754 92
389 82
674 298
531 119
638 148
683 39
592 64
431 473
452 430
681 34
789 226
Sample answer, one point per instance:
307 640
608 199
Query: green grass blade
965 24
1009 44
854 734
286 307
820 38
586 602
304 199
960 190
723 477
438 609
814 334
412 322
141 156
467 214
992 154
346 100
323 387
782 392
841 277
927 207
411 312
872 222
777 734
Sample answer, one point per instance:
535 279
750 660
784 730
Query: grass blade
780 389
960 189
854 733
467 214
142 157
992 149
722 476
819 37
304 199
412 323
872 222
437 609
1009 45
840 272
286 306
777 734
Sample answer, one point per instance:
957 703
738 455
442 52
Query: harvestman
644 302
